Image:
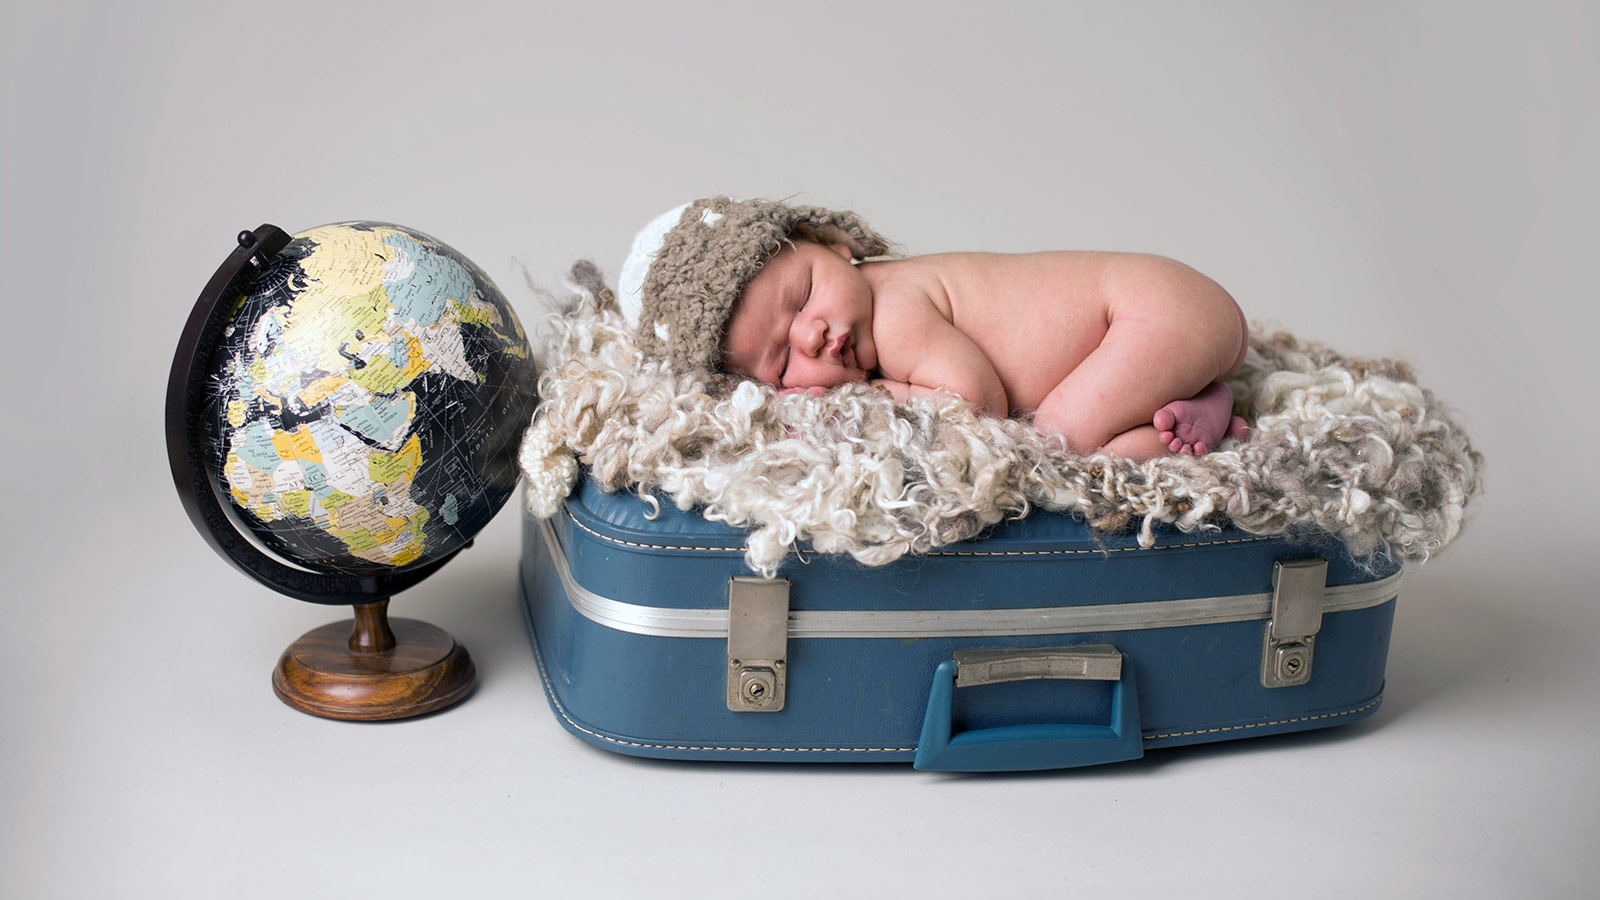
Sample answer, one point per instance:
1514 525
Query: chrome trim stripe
658 621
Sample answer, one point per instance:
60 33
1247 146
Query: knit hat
688 267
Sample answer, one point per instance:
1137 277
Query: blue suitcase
1044 645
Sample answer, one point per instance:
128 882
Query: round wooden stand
379 669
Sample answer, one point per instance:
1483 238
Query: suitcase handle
1015 748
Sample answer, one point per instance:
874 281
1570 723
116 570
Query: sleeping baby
1117 353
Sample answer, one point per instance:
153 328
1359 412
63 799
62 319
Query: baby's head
756 288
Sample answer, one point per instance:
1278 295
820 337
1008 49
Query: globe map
367 400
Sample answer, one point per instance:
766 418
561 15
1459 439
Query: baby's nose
810 335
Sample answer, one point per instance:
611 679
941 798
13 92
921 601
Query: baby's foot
1199 423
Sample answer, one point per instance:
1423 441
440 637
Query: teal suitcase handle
1017 748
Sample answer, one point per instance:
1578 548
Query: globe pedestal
374 668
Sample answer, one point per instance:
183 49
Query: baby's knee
1081 429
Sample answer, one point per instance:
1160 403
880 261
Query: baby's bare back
1036 316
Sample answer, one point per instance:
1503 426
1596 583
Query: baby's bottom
1153 386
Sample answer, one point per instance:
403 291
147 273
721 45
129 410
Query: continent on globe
368 397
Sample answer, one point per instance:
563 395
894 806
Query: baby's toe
1164 420
1238 429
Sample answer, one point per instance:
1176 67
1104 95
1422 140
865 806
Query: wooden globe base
377 669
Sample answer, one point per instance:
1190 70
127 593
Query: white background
1388 178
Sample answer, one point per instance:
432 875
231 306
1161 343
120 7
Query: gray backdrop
1392 179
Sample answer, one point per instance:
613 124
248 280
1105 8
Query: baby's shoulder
908 292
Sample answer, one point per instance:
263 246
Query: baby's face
805 320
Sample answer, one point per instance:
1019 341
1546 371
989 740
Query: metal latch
1298 587
758 643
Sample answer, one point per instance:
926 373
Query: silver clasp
758 643
1298 587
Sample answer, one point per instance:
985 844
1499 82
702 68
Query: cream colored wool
1353 447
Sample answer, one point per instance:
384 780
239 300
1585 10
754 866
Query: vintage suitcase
1044 645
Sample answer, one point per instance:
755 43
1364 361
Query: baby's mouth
841 351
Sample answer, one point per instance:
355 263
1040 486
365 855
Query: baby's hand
899 390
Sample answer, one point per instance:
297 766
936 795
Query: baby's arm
914 340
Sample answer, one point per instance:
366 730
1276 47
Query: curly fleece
1353 447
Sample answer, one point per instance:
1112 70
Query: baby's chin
848 376
854 376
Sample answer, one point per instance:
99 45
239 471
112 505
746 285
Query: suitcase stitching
607 538
1333 715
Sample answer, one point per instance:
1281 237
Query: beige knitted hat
690 264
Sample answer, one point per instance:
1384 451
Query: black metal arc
212 514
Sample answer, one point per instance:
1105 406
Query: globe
342 419
370 387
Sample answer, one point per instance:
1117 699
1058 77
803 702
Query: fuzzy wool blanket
1350 446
